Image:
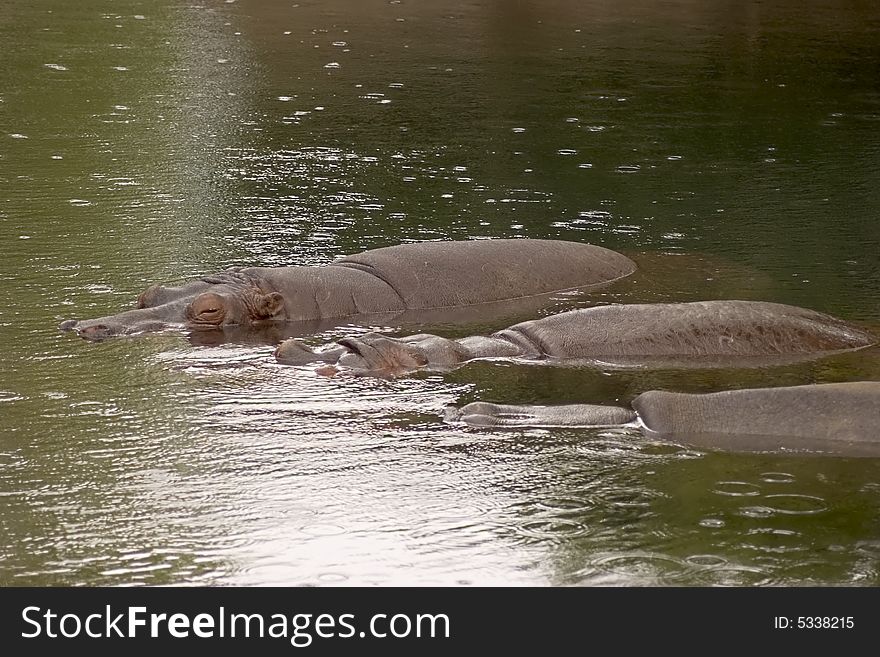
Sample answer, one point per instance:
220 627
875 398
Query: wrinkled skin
699 334
408 277
832 418
229 299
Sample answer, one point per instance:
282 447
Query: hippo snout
93 331
96 332
293 352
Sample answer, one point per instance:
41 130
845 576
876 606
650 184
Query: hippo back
441 274
838 417
696 329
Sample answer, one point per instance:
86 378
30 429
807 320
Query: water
732 149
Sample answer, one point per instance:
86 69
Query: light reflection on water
146 145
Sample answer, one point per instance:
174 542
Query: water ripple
736 489
796 505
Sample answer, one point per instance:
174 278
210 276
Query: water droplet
56 67
331 65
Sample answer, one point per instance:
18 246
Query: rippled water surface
732 148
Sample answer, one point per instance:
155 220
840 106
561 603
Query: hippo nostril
68 324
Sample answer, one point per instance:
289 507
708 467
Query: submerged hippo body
701 334
399 278
831 418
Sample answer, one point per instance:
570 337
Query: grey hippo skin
414 276
831 418
698 334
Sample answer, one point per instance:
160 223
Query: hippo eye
207 308
209 313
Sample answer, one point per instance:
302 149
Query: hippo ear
147 298
270 305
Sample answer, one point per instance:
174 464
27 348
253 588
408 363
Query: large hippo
697 334
832 418
414 276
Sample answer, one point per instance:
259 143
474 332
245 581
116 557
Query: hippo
417 276
828 418
725 333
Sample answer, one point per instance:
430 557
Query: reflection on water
730 149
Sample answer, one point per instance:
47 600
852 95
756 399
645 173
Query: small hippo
697 334
416 276
830 418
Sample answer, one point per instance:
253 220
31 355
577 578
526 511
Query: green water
733 148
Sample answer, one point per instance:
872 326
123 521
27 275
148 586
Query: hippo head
376 355
229 299
372 354
216 309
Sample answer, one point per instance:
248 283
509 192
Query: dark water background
732 147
